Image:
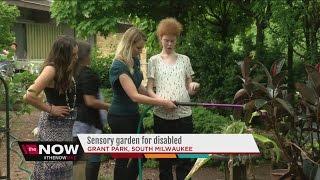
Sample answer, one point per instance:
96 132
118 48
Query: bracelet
50 109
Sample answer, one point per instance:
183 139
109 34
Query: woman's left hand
194 88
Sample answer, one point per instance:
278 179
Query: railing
6 129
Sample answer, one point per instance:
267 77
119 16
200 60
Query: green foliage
148 26
101 66
213 63
293 122
265 143
2 121
217 35
25 78
8 15
107 94
17 85
17 88
236 127
151 163
88 17
107 177
205 121
3 57
147 118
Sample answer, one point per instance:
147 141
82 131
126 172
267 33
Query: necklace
74 96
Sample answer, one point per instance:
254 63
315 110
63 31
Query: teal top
121 104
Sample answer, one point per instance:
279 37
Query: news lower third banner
168 145
141 146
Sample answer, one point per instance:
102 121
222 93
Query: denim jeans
92 161
84 128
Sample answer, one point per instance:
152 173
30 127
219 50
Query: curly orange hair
169 26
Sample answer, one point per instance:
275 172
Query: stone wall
108 45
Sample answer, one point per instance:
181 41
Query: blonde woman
125 77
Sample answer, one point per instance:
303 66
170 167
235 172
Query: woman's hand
169 105
193 88
60 111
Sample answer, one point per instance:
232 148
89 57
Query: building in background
35 32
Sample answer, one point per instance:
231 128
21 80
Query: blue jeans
84 128
93 161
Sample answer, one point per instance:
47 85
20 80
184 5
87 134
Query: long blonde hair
124 50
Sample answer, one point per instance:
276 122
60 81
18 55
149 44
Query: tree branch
303 152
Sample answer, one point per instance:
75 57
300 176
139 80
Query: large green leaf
266 140
237 127
197 165
256 114
260 138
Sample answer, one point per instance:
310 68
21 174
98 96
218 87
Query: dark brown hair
84 51
60 57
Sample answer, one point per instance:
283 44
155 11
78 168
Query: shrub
206 121
107 94
17 85
101 66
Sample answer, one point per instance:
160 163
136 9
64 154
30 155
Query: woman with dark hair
88 119
58 114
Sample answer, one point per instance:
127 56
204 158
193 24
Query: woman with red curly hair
171 75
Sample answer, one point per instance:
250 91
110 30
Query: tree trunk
310 32
291 88
313 45
307 36
260 40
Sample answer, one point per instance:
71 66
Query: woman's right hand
60 111
169 104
